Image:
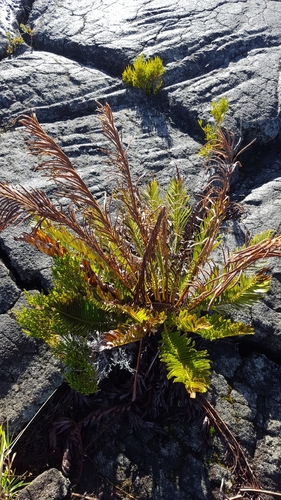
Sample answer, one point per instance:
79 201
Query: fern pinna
146 269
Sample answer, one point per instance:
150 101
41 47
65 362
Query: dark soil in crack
106 442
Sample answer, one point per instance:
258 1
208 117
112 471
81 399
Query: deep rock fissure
33 284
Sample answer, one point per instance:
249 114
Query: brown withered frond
223 148
84 217
17 205
68 433
44 243
118 158
243 259
140 293
60 170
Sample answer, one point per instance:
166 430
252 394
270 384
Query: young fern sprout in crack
145 74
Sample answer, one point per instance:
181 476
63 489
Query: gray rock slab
28 374
27 263
266 201
12 13
209 49
53 85
50 485
9 292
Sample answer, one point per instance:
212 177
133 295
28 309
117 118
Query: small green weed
218 111
15 41
145 74
212 431
26 29
10 483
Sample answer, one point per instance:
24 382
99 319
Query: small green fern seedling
145 74
211 130
13 42
26 29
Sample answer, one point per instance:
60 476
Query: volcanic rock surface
75 58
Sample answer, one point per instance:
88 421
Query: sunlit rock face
75 58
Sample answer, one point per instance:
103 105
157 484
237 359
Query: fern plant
145 271
145 74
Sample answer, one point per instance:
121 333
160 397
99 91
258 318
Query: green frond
74 304
245 292
151 196
53 316
179 212
223 327
211 131
124 335
184 363
206 240
135 313
127 332
38 320
190 323
219 110
257 238
68 240
148 257
84 317
134 235
79 360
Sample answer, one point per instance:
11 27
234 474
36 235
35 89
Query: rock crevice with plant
139 266
136 282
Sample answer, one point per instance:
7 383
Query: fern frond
83 317
37 320
257 238
17 205
245 292
44 243
58 167
57 315
184 363
243 259
206 240
63 237
149 251
179 212
118 158
151 196
221 327
123 336
78 357
191 323
127 333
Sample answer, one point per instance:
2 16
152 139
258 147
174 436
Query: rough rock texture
51 485
210 49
